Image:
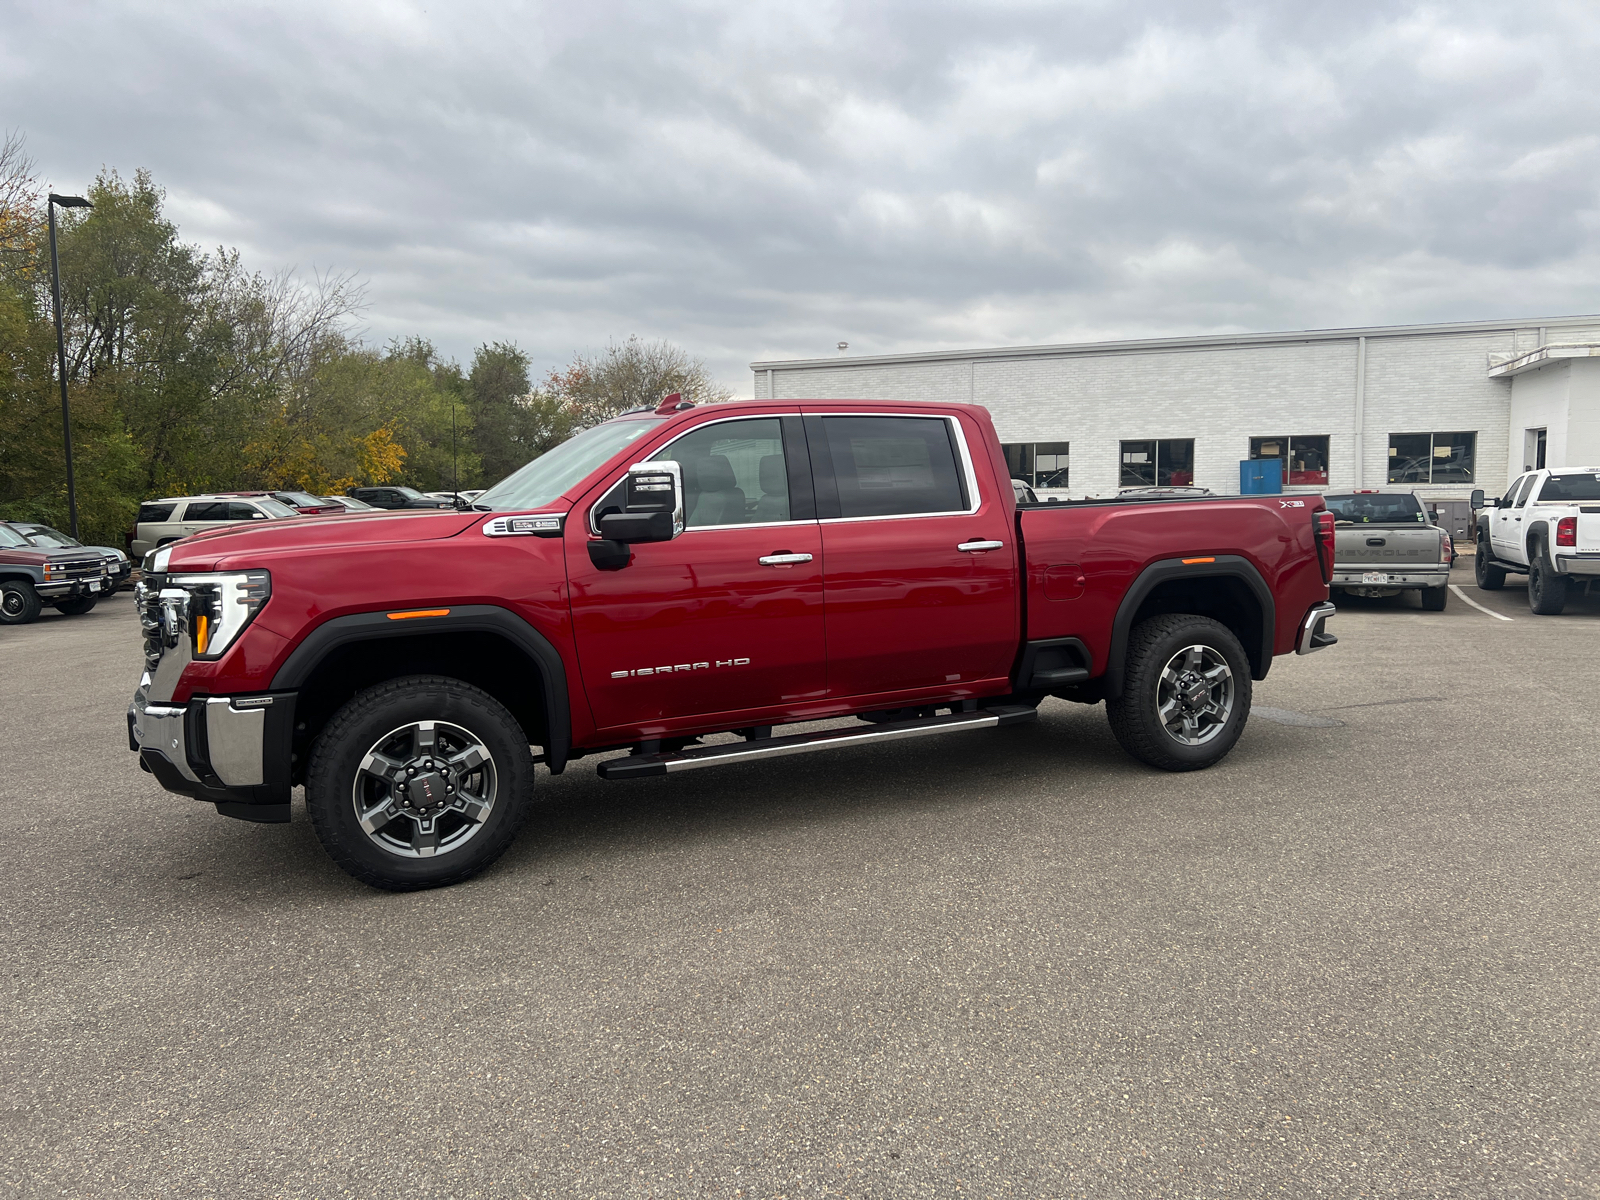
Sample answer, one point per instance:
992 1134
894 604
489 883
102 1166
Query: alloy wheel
424 789
1194 696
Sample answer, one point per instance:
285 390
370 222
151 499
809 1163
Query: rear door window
207 510
894 466
155 513
1527 487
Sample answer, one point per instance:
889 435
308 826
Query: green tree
513 424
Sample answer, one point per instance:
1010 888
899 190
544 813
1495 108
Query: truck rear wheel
1547 590
1185 693
1488 576
19 603
419 782
1434 599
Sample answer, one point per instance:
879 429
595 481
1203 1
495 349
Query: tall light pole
54 202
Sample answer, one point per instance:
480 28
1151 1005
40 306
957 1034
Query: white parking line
1479 607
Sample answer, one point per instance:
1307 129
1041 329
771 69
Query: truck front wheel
419 782
19 603
1185 693
1547 590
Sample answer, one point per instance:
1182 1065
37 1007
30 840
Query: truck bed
1082 560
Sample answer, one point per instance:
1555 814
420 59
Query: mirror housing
631 528
653 505
1477 497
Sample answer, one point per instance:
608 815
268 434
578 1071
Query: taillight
1447 547
1322 522
1567 531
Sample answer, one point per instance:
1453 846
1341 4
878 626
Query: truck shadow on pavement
1067 760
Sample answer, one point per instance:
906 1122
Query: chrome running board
640 766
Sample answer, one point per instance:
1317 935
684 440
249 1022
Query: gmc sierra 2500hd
684 572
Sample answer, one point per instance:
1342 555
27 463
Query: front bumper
57 589
1400 577
232 751
1578 563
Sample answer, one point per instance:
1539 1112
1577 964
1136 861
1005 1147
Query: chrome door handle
974 547
783 560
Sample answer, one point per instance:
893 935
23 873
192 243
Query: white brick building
1441 408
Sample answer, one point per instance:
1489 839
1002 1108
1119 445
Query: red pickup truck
682 574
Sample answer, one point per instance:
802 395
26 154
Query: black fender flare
1222 566
465 618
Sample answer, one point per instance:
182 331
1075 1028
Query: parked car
119 567
392 497
303 503
163 521
70 579
1172 491
350 504
459 499
662 577
1385 544
1546 526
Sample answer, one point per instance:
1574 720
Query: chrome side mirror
654 505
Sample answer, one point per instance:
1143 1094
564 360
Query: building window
1431 457
1305 459
1038 464
1169 461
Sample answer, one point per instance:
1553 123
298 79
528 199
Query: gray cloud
762 181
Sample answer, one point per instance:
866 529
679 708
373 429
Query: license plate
1374 577
94 585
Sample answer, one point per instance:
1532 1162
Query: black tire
336 773
76 606
1434 599
1489 577
19 603
1135 716
1547 590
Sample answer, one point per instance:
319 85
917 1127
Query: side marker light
419 612
1189 561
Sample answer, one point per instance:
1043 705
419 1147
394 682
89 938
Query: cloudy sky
762 180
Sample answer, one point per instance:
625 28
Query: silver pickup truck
1384 544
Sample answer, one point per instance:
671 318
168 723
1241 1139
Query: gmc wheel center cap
426 790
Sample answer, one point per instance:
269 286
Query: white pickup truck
1546 526
1384 544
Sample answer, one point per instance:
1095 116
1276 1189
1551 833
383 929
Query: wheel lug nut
411 770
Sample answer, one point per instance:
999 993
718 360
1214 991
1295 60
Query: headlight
220 606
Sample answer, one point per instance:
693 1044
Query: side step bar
638 766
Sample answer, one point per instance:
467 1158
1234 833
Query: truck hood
203 551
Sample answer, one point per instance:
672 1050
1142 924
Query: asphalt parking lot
1359 958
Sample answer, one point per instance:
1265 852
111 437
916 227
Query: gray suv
163 521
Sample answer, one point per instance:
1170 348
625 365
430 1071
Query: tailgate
1386 546
1589 528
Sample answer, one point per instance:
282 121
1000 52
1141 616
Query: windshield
10 537
299 499
555 471
1571 487
1377 510
273 508
43 535
349 502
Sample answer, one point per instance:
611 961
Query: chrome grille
147 603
